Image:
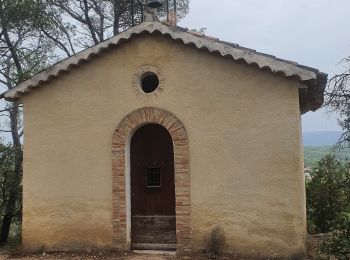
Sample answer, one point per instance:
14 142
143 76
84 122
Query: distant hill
322 138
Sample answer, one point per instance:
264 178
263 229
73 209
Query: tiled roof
311 97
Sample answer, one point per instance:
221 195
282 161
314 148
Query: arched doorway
153 220
121 197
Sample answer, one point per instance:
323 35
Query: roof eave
312 97
251 57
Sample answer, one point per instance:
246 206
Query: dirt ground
129 256
104 255
6 253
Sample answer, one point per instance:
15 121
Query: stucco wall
243 128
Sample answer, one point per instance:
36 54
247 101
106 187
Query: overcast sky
312 32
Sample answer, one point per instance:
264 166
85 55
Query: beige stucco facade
243 127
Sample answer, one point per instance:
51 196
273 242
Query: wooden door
152 188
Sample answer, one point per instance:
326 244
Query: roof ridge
213 45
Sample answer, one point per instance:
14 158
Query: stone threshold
151 247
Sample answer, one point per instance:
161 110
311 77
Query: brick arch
120 171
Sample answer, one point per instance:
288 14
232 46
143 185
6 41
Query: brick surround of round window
140 74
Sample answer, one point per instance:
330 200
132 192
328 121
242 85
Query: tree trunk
14 188
116 18
7 220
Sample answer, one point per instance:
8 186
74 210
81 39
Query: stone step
149 246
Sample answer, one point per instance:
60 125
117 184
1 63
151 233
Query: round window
149 82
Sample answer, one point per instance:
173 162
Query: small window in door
153 177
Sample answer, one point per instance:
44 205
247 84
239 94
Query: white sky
312 32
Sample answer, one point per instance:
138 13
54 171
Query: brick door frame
121 215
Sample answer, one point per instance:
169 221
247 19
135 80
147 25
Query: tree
327 198
24 51
338 99
94 21
8 182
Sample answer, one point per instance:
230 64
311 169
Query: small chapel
158 135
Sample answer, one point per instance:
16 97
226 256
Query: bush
338 244
215 242
327 195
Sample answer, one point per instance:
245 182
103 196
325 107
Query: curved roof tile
310 100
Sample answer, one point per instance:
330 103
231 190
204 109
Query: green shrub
327 195
338 244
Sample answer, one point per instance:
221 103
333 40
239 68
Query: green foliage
20 13
313 154
9 183
23 49
7 176
327 195
339 243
